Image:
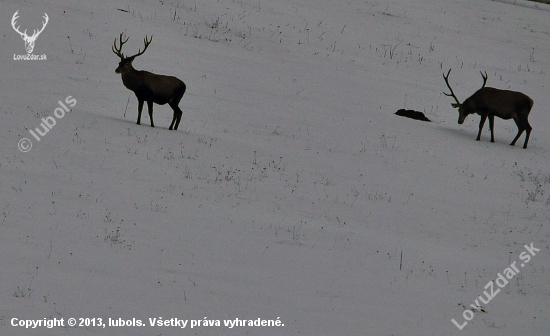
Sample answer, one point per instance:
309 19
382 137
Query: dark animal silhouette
149 87
491 102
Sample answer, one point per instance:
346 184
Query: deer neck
131 79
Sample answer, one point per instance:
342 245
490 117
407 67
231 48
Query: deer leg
140 107
173 119
150 105
173 122
521 128
481 123
180 113
528 129
175 106
177 117
491 126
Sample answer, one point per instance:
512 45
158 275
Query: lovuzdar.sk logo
29 40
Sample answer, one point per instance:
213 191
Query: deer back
505 104
153 87
162 84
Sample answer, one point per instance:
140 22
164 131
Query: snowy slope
291 192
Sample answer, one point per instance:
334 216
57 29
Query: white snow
291 190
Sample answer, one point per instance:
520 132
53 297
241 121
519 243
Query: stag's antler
146 42
118 51
484 78
13 23
35 32
452 94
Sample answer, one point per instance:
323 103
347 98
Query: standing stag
148 86
491 102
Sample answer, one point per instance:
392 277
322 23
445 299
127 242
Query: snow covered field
291 193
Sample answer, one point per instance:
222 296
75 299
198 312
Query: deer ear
455 105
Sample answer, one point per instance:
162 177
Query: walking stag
149 87
491 102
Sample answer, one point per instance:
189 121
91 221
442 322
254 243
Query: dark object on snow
412 114
491 102
149 87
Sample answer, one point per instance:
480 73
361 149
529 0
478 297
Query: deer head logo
29 40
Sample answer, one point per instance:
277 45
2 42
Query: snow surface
291 191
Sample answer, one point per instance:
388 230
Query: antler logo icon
29 40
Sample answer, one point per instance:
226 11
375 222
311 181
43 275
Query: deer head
29 40
126 62
462 109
